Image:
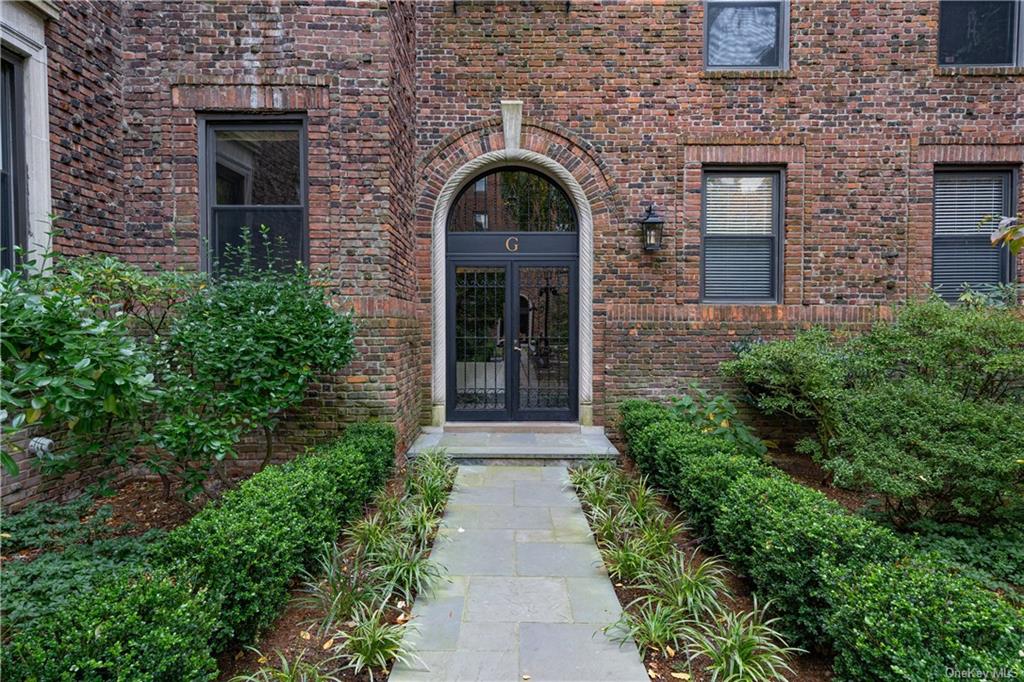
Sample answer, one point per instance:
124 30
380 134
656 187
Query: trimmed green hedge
830 574
248 548
130 628
228 573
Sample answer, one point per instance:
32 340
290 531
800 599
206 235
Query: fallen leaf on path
328 644
681 676
305 635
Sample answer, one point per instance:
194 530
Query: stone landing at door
468 441
528 595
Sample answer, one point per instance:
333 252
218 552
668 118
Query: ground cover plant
218 580
832 577
680 610
357 598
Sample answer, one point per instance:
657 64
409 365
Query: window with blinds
741 236
962 252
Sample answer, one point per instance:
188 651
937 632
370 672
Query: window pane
512 201
962 252
976 32
743 35
281 246
738 269
740 204
258 167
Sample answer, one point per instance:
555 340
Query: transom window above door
512 200
255 193
746 34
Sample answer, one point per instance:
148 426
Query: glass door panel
544 355
479 339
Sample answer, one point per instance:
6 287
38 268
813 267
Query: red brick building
813 162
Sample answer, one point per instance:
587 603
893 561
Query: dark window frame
1017 51
1011 183
782 36
471 184
209 124
19 160
778 228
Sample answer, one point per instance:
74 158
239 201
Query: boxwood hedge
220 578
832 576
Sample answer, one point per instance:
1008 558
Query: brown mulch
806 667
142 506
805 470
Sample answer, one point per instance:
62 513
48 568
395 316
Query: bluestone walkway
528 594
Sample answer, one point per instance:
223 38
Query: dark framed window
962 251
13 220
254 192
512 199
981 33
746 34
741 235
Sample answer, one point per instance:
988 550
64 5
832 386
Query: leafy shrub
49 583
993 555
133 627
788 538
638 414
928 451
240 354
717 416
914 622
923 409
67 368
52 525
247 549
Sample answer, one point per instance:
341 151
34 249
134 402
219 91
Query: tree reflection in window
512 200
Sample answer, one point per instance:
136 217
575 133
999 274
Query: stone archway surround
511 154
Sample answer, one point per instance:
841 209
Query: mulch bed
806 668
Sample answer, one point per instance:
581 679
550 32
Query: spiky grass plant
693 586
742 647
640 504
371 643
659 533
405 569
626 558
287 671
431 476
651 626
591 473
389 506
420 521
373 534
340 581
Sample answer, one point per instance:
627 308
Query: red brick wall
854 122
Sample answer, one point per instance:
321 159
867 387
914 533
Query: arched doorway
512 254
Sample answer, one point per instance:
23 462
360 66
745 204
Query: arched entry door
512 256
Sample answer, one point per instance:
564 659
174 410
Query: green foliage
923 410
628 558
653 625
240 354
788 539
431 476
993 555
636 415
930 452
39 588
339 581
247 549
288 671
53 525
67 368
134 627
742 647
913 622
693 587
372 643
717 416
405 569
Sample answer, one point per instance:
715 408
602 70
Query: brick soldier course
398 95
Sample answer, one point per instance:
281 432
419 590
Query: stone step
588 442
512 427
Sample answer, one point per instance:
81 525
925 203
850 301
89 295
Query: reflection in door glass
543 338
479 341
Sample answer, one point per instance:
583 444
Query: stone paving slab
527 594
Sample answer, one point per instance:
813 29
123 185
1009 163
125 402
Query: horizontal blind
963 200
962 252
738 269
739 205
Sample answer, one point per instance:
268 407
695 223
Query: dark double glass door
512 339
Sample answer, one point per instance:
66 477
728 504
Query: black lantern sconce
652 226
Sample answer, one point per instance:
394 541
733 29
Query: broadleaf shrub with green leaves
923 409
67 368
133 627
240 354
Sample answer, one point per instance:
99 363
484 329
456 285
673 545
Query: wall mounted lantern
652 225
